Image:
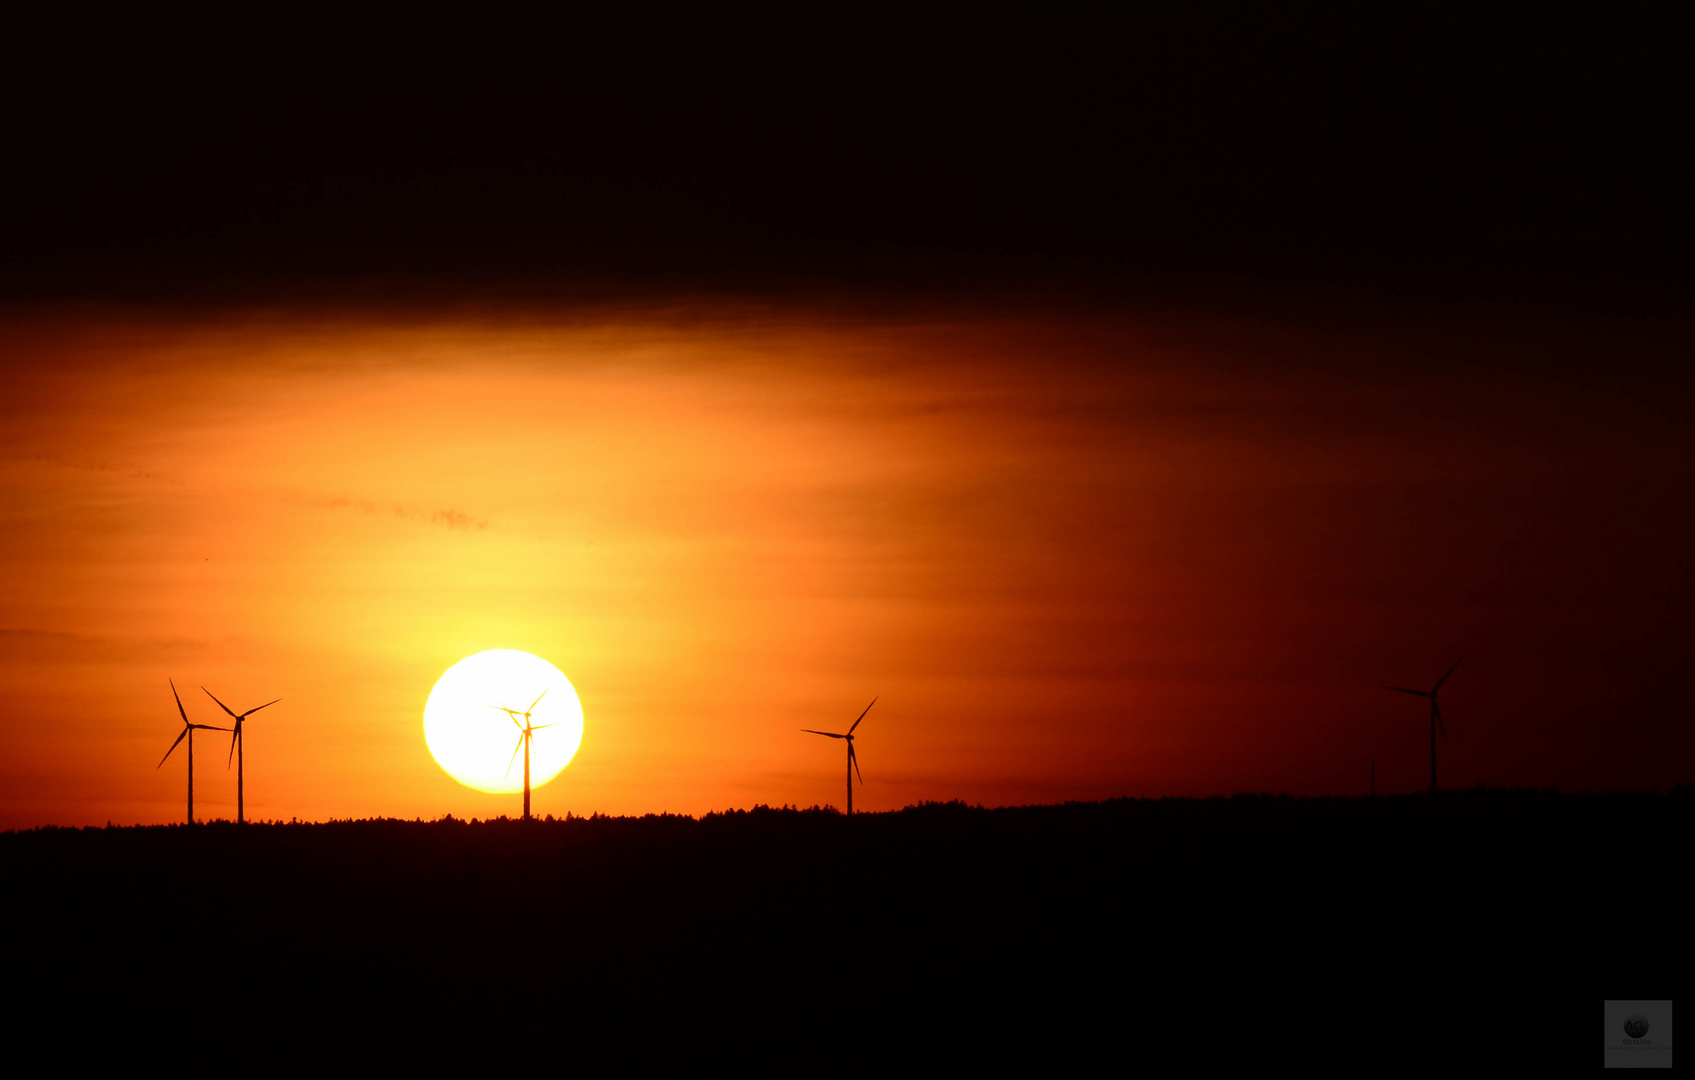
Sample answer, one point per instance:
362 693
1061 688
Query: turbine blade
172 750
235 734
854 759
537 701
1404 690
829 734
538 727
514 759
221 705
1450 671
179 701
1436 711
208 727
256 708
862 715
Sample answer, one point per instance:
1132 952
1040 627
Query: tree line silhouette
1044 935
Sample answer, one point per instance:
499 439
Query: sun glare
479 742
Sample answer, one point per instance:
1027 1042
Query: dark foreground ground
1345 933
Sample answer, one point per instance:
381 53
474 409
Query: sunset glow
1077 558
1081 533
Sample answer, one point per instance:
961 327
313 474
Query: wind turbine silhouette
526 731
188 730
1435 716
853 761
236 746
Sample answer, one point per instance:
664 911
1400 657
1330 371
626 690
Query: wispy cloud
445 518
62 646
100 465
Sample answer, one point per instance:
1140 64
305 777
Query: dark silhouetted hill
940 936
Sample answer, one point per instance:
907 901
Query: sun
474 740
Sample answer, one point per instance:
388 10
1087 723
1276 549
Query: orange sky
1077 556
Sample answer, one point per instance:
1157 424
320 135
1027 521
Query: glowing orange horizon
1075 559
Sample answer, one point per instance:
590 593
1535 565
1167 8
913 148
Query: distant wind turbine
1435 717
526 731
852 760
188 730
236 746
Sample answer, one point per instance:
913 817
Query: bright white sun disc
478 744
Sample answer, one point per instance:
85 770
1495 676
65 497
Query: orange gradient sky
1077 556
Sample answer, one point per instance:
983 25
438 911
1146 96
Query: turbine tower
1435 716
188 730
526 731
852 761
236 745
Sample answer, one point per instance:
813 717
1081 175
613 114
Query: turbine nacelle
526 733
186 726
236 736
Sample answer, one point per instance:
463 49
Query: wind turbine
236 744
853 762
1435 716
526 731
188 730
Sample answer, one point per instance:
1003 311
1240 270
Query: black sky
166 153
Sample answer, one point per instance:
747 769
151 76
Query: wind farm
523 721
500 665
726 907
558 414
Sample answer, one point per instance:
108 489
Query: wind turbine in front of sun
526 732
